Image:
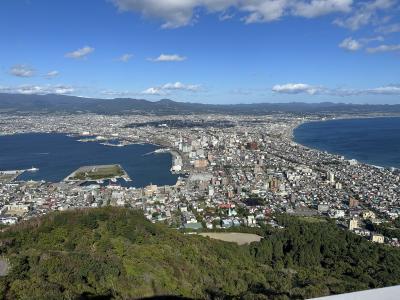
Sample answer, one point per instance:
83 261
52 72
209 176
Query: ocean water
57 155
374 141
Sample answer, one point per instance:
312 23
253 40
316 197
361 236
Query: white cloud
350 44
125 57
263 11
180 86
154 91
392 28
372 39
365 13
38 89
386 90
22 71
168 58
225 16
384 48
80 53
295 88
315 8
168 87
177 13
52 74
302 88
354 45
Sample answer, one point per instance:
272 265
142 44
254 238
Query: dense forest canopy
117 253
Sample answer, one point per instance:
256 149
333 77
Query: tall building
353 224
331 177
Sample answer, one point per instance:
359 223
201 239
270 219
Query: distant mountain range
19 103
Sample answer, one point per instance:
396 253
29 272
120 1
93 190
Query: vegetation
390 230
98 172
254 200
117 253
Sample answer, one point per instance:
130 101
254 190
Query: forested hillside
116 253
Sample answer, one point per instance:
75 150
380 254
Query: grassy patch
98 172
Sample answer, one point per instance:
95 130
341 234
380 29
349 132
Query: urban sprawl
235 171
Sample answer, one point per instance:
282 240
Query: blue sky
211 51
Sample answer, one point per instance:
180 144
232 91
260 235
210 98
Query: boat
127 178
33 169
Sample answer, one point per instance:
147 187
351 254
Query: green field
97 172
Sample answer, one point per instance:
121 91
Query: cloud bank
302 88
168 87
365 13
178 13
384 48
38 89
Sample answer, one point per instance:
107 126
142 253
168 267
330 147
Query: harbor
11 175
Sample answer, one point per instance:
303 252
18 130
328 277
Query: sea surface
58 155
374 141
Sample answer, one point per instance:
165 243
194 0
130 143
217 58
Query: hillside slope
116 253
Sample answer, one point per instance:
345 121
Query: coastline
77 138
340 118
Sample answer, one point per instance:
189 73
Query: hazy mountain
19 103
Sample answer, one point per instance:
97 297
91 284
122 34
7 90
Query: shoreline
78 138
341 118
